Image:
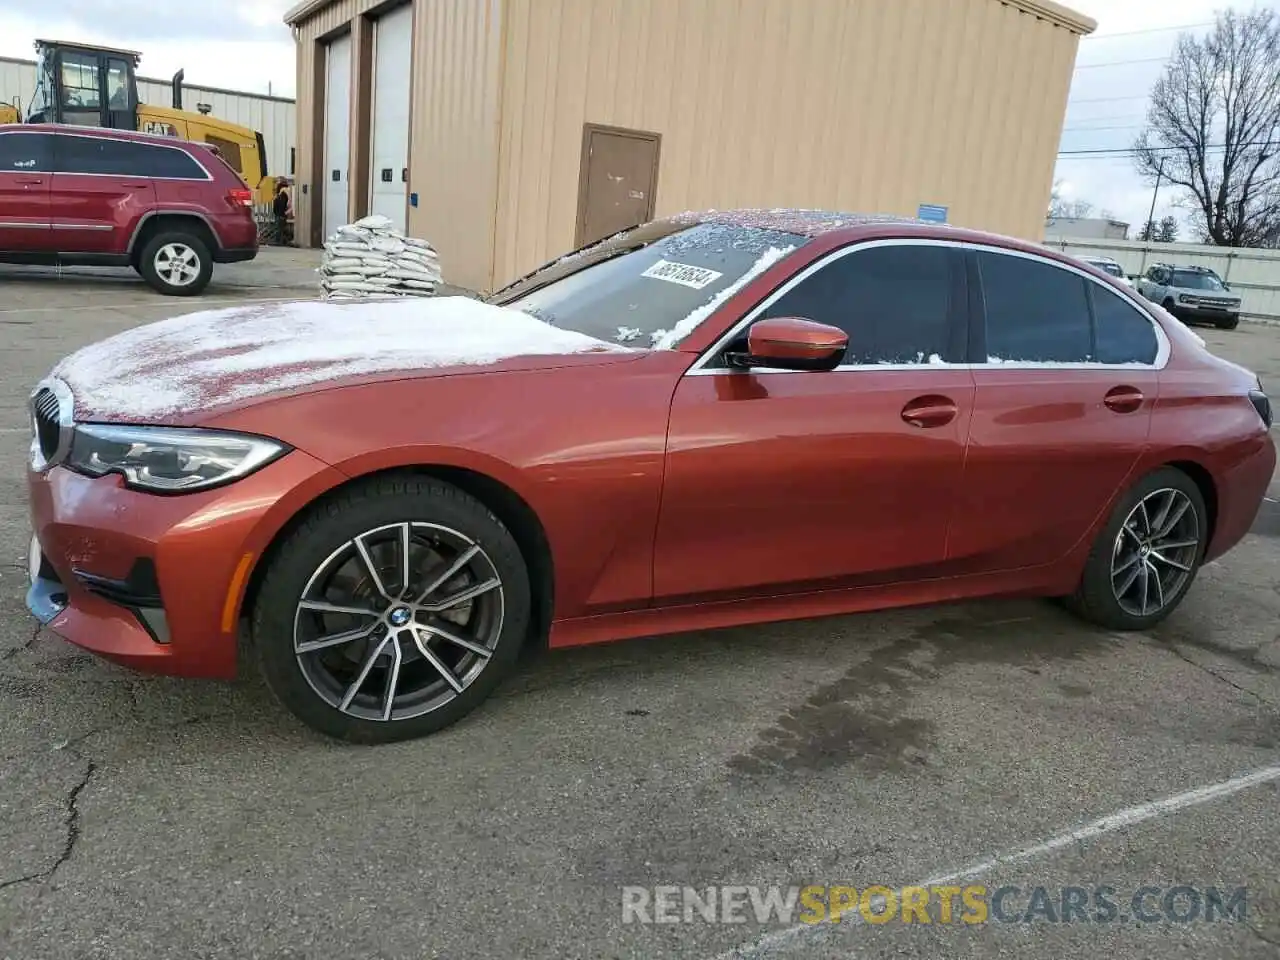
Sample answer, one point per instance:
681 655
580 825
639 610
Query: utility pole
1148 229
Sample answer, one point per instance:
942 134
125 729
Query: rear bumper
237 255
1240 493
154 582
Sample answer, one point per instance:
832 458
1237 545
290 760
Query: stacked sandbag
371 258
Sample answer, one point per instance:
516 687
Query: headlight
1183 298
168 459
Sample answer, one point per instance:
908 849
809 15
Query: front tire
176 263
1228 323
1147 556
392 611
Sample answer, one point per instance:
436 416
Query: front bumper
1202 314
156 582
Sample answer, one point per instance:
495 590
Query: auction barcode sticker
682 273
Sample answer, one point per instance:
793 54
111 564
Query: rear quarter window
171 163
1124 333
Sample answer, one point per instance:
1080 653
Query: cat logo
160 128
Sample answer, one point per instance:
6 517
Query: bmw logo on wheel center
399 616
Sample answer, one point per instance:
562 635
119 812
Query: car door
101 188
783 481
1067 375
25 173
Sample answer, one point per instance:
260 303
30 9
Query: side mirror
792 343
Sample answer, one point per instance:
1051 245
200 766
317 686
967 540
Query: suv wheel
1229 323
177 264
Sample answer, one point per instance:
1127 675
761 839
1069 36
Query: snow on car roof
806 223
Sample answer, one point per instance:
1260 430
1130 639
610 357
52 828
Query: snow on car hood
216 357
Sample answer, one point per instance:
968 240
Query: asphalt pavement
1001 744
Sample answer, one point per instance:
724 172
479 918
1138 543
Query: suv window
123 158
1035 312
1195 280
24 153
893 301
1124 334
171 163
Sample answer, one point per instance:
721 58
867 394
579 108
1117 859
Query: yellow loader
78 83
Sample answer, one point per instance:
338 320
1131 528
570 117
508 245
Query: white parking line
1128 817
146 306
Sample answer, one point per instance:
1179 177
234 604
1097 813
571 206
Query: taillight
240 198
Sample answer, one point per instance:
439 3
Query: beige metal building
508 131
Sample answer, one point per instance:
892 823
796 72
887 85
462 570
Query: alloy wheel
1155 552
177 264
398 621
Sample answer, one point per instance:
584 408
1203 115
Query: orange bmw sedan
709 420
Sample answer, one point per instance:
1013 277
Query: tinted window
1035 312
893 301
24 152
98 155
170 163
1124 335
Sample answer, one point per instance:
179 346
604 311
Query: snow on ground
214 357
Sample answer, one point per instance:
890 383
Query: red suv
83 196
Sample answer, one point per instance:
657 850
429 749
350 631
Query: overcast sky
1115 70
243 44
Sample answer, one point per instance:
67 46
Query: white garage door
392 77
337 132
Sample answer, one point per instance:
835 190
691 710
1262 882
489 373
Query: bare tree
1168 230
1060 209
1213 127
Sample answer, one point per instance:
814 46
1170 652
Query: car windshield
1194 280
1107 266
637 287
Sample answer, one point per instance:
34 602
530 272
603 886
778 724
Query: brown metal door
617 183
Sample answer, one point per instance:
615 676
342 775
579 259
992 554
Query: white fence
1253 273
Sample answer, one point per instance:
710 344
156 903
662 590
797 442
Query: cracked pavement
144 817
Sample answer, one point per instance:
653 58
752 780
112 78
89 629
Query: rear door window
25 153
1035 312
97 156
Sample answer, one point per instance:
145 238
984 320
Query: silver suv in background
1192 294
1109 266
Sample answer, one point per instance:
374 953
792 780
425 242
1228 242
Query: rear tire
1153 542
435 679
176 263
